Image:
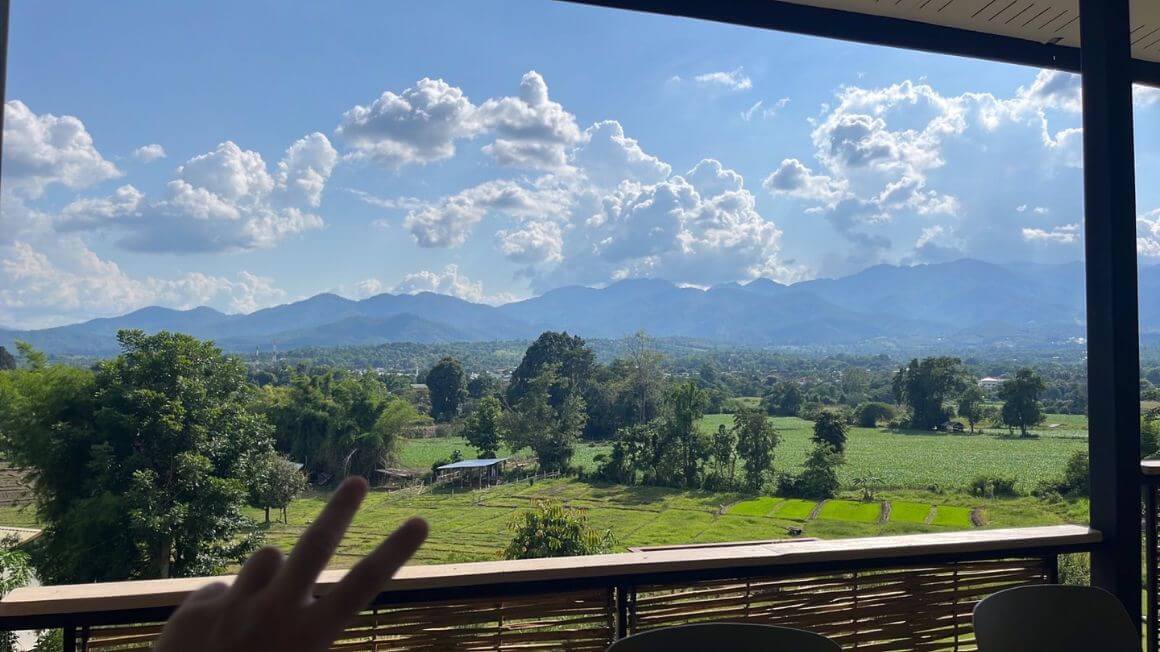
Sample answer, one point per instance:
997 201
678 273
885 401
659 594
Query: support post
1112 297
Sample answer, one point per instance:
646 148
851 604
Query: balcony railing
874 594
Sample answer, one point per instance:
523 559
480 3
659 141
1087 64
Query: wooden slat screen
558 621
905 608
916 607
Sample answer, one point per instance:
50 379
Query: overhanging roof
473 464
1041 33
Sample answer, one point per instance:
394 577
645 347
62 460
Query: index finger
319 541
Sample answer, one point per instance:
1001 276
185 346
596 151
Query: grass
756 507
474 526
951 516
906 512
848 510
920 460
795 509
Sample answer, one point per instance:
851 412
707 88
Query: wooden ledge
623 567
1150 467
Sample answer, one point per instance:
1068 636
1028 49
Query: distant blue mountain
966 302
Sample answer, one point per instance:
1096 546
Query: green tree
1149 435
140 469
687 404
830 429
756 440
572 359
971 405
446 383
724 450
926 387
7 361
15 572
870 414
276 483
819 477
785 399
550 432
550 530
484 428
1020 394
482 385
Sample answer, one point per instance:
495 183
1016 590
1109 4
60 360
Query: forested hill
963 303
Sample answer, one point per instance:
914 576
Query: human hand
271 604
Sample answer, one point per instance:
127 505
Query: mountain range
965 302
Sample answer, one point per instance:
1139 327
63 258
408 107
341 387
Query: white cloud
531 130
223 200
41 150
449 222
760 109
305 169
1063 234
608 157
65 281
734 80
1038 210
1146 95
149 153
420 125
795 179
1148 234
937 244
533 242
392 203
449 282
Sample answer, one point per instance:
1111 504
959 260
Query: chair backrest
1054 617
725 637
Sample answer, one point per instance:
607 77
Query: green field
474 525
848 510
907 512
898 460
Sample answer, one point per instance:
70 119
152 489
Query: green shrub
868 415
993 486
550 530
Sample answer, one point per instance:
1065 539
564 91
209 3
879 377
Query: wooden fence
881 594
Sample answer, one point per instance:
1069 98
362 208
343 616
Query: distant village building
990 383
482 471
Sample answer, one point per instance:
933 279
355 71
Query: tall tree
971 405
644 377
756 440
484 427
927 386
549 431
785 399
573 361
687 403
1020 395
7 360
830 429
724 449
141 468
447 386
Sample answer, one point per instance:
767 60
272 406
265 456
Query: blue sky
240 155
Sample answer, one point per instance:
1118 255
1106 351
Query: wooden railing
874 594
1150 474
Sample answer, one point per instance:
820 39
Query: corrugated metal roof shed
473 464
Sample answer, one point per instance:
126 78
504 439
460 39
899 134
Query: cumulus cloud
937 244
1148 234
608 157
222 200
449 221
531 130
795 179
1063 234
532 242
418 126
450 282
149 153
45 149
64 281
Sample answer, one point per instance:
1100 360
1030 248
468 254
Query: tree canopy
1021 407
447 385
550 530
927 386
141 467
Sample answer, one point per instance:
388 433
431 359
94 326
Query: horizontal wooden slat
73 600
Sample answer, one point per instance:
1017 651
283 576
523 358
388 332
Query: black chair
1054 617
725 637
